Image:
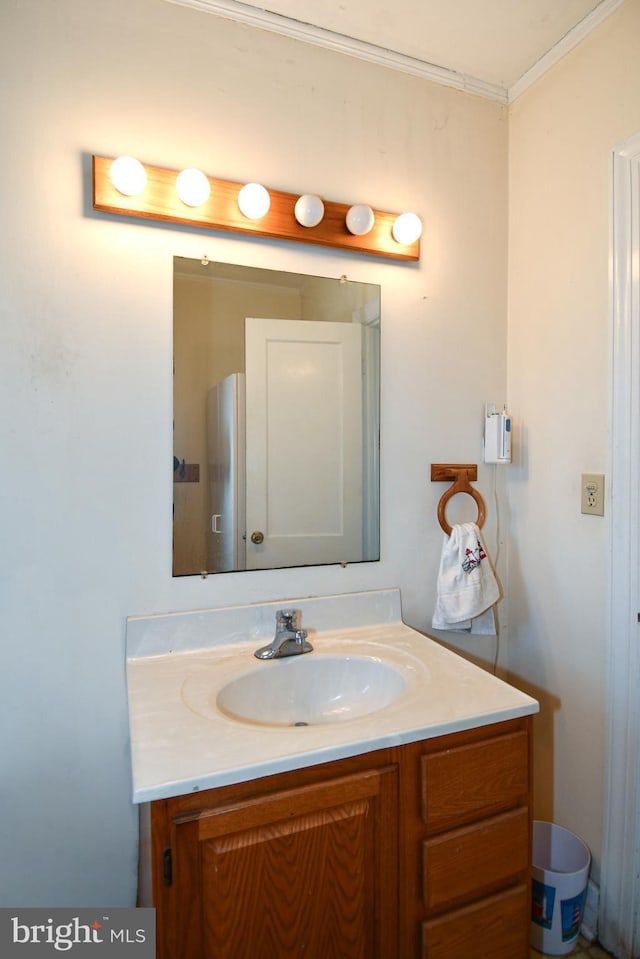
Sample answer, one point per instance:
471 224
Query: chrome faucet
289 640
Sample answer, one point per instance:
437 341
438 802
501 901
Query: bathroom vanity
393 827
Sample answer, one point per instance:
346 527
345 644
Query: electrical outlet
592 494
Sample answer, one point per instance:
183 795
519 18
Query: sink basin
304 690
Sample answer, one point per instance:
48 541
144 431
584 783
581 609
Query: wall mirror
276 419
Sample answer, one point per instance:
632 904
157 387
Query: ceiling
494 47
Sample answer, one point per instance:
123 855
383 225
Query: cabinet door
308 872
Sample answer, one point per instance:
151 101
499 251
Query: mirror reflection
276 419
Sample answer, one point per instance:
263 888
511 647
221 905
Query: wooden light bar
159 201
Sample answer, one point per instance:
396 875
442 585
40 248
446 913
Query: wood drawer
467 783
494 928
471 862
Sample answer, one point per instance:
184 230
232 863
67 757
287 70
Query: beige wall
86 363
86 370
561 134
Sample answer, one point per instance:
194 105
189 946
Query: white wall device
497 435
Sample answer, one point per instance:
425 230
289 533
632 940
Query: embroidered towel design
467 588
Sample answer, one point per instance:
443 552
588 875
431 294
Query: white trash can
560 872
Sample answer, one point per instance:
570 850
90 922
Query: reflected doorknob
257 537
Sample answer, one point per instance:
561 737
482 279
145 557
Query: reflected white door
304 442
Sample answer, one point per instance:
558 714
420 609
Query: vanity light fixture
254 201
309 210
407 228
301 218
192 186
128 176
360 219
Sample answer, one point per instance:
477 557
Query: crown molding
564 46
308 33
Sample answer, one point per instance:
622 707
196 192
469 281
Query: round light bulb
254 201
360 219
128 176
407 228
309 210
193 187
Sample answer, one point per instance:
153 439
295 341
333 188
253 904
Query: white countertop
182 742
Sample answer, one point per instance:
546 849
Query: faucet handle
289 618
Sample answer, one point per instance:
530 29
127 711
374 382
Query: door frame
620 881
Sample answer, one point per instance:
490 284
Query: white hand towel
467 587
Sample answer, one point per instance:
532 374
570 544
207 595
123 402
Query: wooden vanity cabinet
413 852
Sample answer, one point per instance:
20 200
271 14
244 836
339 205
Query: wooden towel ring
441 471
